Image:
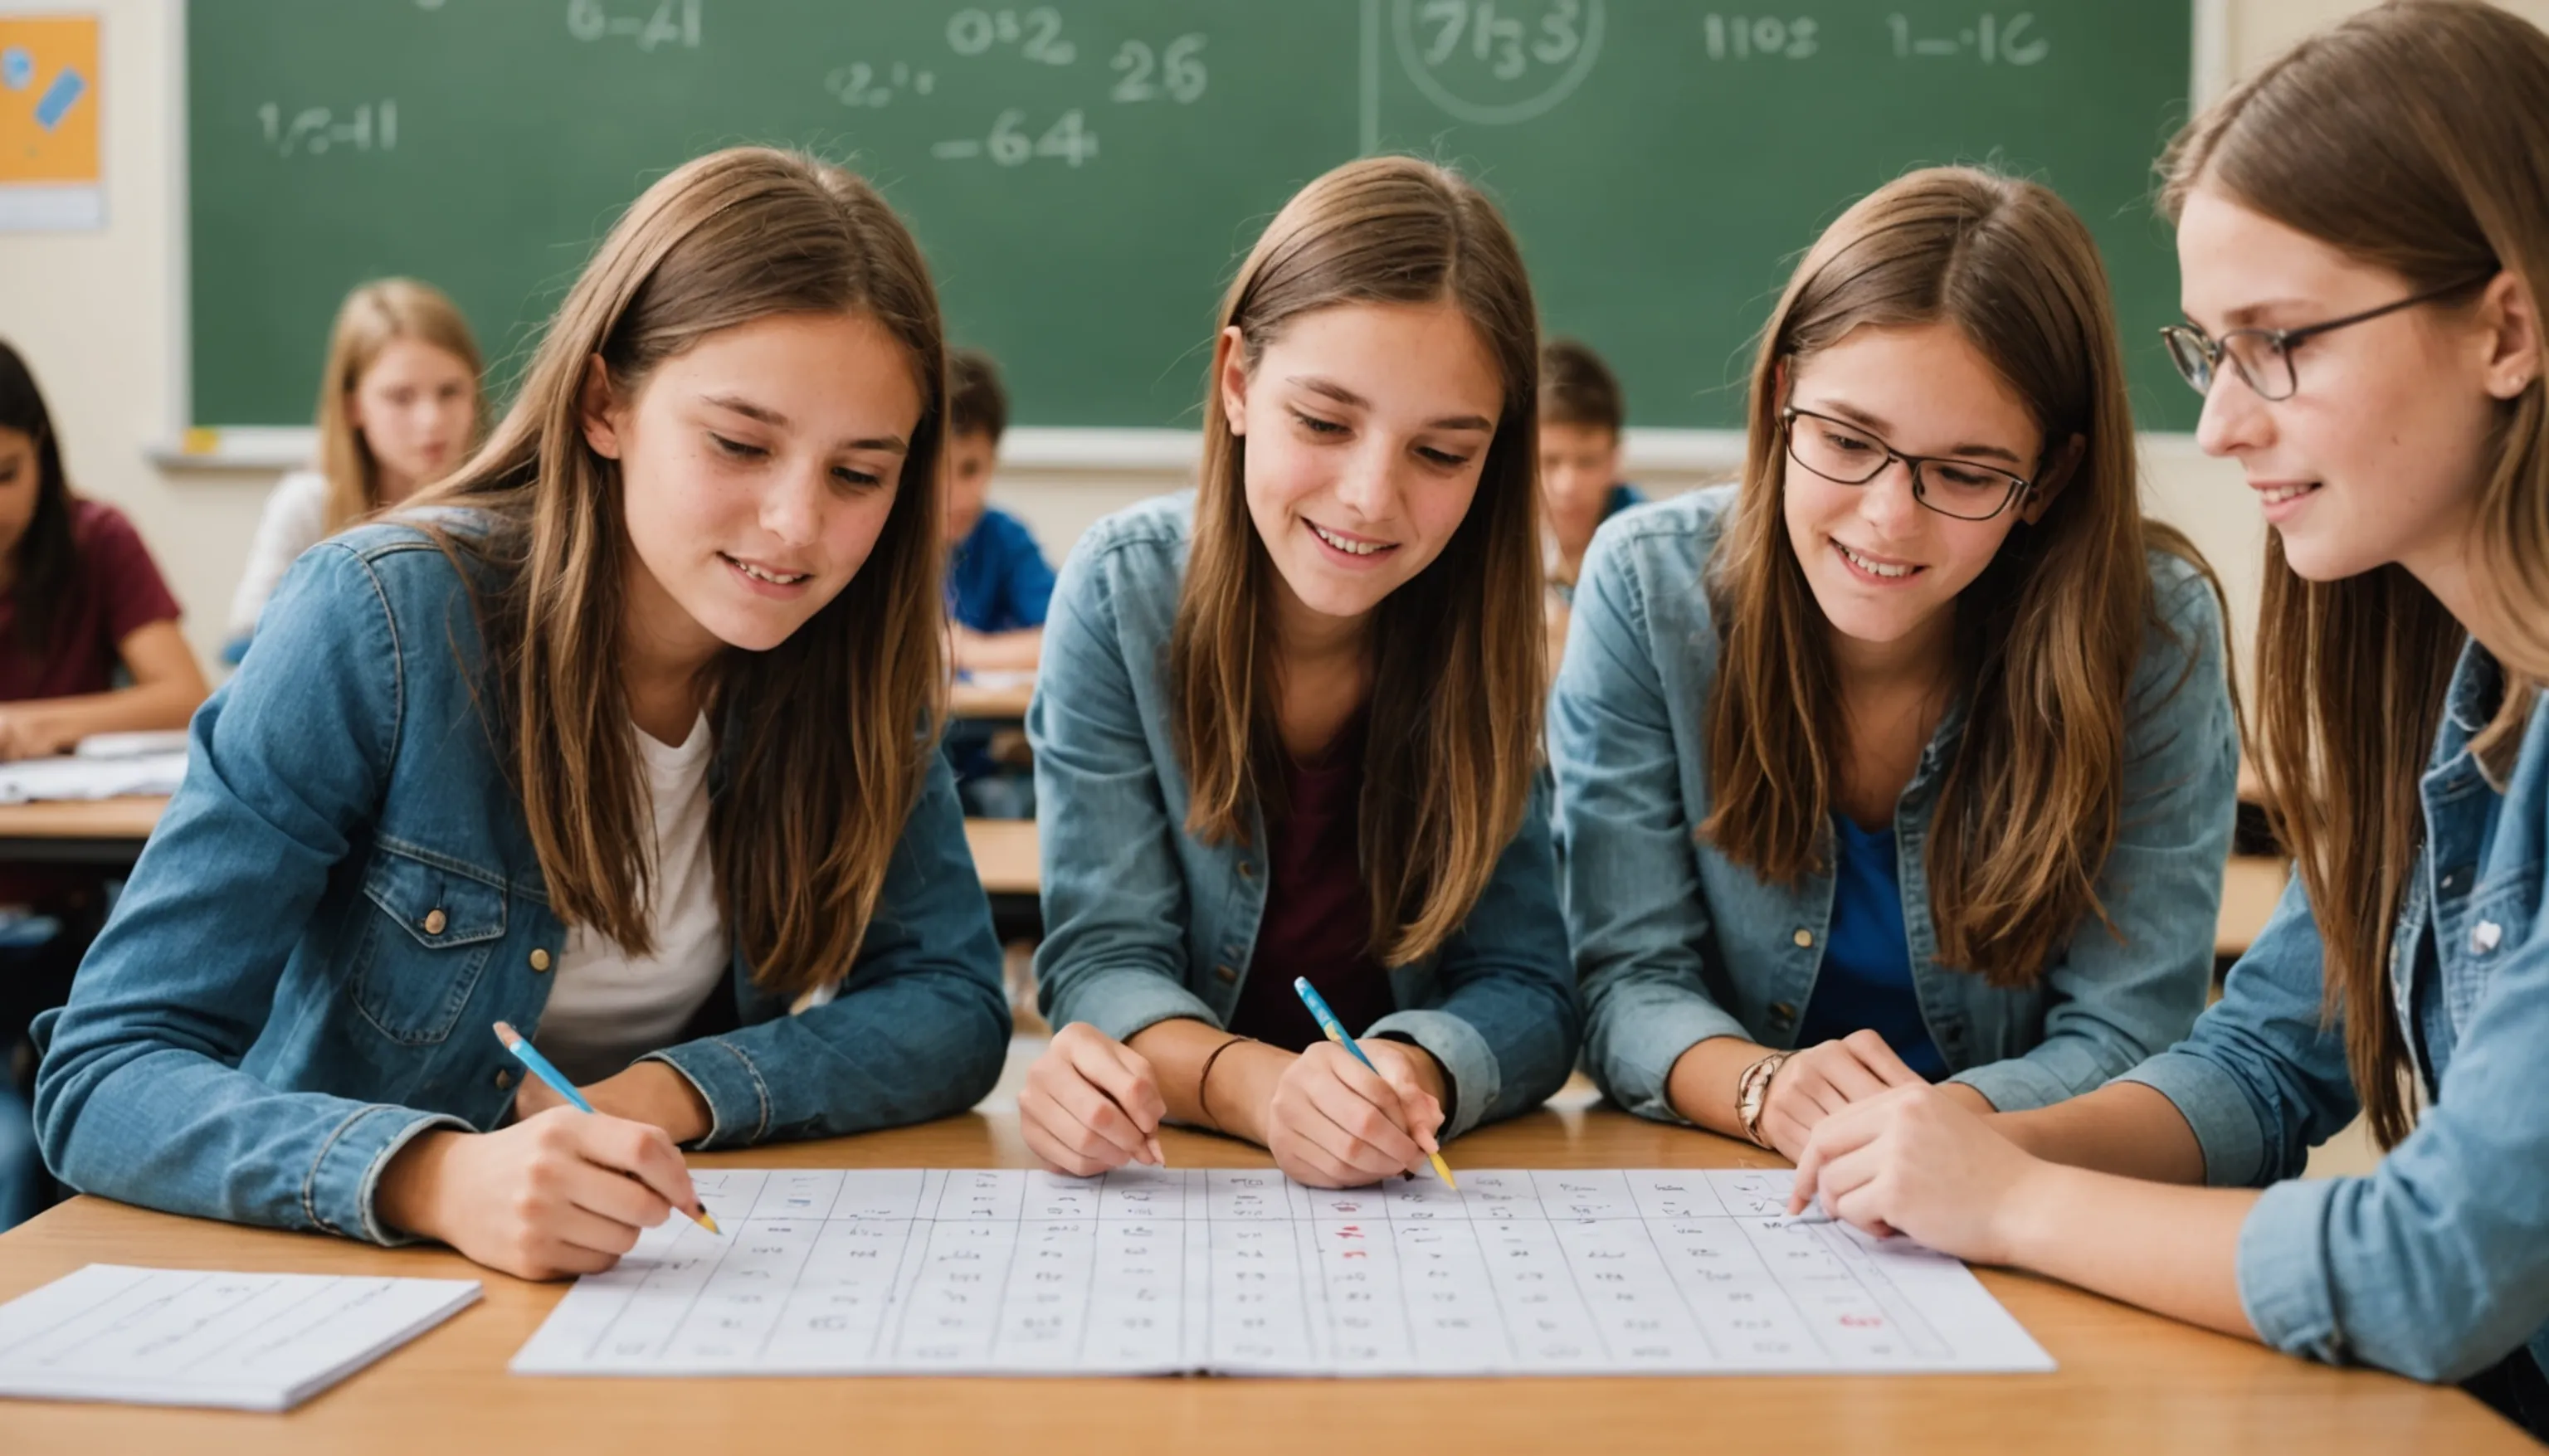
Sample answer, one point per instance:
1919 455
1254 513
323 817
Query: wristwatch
1752 1096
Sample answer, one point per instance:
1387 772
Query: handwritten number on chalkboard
1180 67
1558 38
1044 43
1137 62
1453 17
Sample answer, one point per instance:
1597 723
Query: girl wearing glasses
2385 175
1912 758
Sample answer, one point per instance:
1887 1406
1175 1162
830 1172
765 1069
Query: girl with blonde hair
399 406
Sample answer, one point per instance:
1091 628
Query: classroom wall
96 315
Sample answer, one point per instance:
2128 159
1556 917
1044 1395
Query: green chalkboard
1084 175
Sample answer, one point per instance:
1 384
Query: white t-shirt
607 1009
295 520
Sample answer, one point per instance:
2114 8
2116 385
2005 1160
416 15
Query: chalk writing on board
1068 140
1992 39
1744 36
1036 34
315 131
1494 62
861 84
670 23
1179 70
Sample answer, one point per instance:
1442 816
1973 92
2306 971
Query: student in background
2363 235
1286 725
88 644
1581 417
80 600
1911 758
625 740
399 404
997 581
997 588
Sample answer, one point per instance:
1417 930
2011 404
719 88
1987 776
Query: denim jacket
1145 922
2435 1264
343 898
1677 944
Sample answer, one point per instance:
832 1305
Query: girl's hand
1335 1123
25 734
1818 1081
1919 1161
1092 1103
559 1194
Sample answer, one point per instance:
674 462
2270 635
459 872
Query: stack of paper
189 1337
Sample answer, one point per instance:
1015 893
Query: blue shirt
1867 976
2436 1263
997 578
1678 943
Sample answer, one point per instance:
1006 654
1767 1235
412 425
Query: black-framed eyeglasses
1847 455
2263 357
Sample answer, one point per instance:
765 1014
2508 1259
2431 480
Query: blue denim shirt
2437 1264
342 897
1145 922
1677 944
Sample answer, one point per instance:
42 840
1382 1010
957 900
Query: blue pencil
1328 1023
529 1057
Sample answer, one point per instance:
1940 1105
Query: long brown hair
373 317
1453 726
825 737
2048 637
2409 138
47 551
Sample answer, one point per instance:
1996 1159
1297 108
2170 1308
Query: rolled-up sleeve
2435 1264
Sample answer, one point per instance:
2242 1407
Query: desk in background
2129 1381
111 832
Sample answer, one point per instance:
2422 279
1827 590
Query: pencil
529 1057
1318 1005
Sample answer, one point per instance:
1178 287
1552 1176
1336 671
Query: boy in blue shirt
997 581
998 587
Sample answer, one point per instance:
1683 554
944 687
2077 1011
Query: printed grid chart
1241 1271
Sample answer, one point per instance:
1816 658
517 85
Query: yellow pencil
1318 1005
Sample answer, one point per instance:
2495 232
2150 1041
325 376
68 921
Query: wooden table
107 832
999 700
2252 885
111 832
2129 1381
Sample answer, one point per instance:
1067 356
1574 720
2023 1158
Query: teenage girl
1289 726
622 735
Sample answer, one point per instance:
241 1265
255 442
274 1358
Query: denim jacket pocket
432 926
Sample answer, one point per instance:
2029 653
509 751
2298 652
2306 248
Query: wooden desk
105 832
989 700
112 831
2129 1382
1004 855
2251 885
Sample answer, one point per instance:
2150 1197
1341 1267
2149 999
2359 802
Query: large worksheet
1241 1271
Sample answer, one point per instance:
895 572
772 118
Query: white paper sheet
1240 1271
68 777
192 1337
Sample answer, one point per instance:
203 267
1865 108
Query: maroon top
114 591
1318 912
